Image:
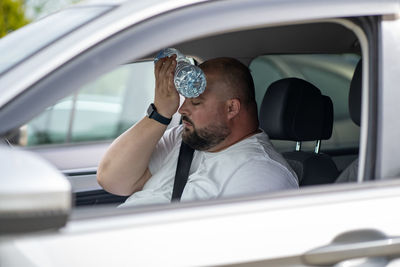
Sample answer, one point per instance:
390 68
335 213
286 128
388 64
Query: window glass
330 73
33 37
101 110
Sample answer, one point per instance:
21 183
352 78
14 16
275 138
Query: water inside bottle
189 79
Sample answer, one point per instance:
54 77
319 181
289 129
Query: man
232 155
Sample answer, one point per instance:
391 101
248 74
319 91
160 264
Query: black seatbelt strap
182 170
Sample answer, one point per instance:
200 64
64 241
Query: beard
205 138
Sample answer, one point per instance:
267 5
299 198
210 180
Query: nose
183 110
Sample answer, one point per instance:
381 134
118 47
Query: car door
321 225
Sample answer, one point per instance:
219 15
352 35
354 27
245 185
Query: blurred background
17 13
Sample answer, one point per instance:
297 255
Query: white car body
294 228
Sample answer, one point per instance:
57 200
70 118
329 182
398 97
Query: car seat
295 110
350 173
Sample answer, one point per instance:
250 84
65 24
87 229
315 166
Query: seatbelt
182 170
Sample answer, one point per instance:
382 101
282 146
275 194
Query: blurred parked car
72 82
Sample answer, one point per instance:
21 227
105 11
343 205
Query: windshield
25 42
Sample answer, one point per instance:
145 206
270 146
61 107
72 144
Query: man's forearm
124 168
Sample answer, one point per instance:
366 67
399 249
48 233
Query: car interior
302 74
295 110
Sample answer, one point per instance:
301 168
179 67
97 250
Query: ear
233 107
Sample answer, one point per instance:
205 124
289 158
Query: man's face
204 118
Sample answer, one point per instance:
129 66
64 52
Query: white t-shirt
248 167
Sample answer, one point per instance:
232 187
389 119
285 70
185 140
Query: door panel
73 158
86 190
97 197
274 230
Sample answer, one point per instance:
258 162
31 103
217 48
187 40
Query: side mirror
33 194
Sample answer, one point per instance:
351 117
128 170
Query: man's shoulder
255 147
257 143
266 157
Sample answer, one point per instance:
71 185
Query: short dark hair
236 75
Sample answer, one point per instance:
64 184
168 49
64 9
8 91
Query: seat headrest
294 109
328 120
355 94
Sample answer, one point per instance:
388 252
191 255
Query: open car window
107 104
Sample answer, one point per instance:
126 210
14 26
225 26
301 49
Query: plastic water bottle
189 79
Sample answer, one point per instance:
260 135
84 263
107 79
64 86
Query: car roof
359 3
138 3
366 7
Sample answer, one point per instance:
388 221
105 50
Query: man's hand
166 97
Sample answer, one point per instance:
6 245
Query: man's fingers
171 84
164 72
163 64
167 65
172 66
158 65
166 97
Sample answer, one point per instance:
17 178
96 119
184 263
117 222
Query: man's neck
233 139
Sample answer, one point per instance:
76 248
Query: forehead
205 96
215 86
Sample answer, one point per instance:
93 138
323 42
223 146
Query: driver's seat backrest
295 110
351 172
